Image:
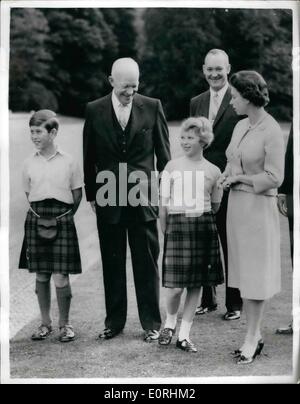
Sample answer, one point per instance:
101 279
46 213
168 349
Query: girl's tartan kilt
191 252
60 256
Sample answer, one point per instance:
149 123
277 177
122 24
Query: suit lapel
137 119
224 105
204 107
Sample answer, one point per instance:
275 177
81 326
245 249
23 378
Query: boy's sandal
165 336
66 334
42 333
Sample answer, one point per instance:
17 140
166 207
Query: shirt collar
116 103
221 92
57 151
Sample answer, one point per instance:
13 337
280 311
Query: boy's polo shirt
51 178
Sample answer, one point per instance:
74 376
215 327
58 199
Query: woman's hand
221 180
281 204
233 179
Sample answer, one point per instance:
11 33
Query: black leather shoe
203 310
232 315
285 330
108 333
151 335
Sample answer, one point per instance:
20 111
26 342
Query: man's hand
93 206
281 204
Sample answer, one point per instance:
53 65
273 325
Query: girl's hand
163 226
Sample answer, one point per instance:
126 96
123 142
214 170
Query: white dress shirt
122 111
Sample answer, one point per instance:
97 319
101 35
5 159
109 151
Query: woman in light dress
254 171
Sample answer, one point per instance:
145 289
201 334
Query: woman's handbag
47 227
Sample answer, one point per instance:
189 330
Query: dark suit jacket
146 137
224 124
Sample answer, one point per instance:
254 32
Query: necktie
123 116
214 107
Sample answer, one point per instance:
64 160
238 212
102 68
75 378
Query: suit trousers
144 247
233 298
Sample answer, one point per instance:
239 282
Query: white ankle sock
184 332
171 321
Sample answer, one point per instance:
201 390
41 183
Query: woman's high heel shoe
236 353
243 360
260 346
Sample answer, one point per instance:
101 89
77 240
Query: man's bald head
124 65
125 79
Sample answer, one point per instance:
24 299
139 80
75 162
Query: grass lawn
126 356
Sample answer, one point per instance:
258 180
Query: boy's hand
93 206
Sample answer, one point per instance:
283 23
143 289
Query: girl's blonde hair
201 126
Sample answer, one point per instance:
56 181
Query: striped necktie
214 107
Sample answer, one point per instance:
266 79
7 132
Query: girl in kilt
189 200
53 185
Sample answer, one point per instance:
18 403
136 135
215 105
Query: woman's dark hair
44 117
251 86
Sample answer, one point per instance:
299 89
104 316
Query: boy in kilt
190 199
53 184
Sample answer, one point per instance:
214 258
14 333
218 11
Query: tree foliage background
61 58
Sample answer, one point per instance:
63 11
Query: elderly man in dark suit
214 104
123 133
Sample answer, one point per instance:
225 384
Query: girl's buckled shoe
186 346
165 336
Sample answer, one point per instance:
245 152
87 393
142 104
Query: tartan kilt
191 252
59 256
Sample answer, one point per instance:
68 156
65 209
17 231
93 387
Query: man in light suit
214 104
128 130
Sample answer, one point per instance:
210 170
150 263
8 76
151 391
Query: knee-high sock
184 332
43 292
171 321
64 296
